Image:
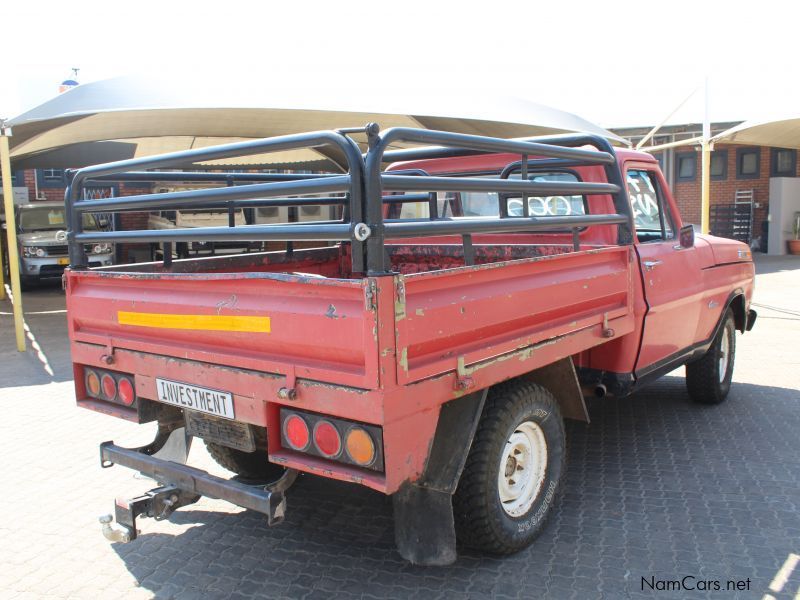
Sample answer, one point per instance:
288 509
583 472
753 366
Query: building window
686 166
719 165
17 178
783 163
748 163
51 178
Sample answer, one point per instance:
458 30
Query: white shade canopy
135 116
781 131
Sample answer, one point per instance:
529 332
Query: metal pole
11 233
655 129
705 189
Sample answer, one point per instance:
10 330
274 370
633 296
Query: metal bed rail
364 191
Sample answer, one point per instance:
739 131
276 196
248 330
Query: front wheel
513 470
708 379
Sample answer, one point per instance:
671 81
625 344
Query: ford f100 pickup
473 293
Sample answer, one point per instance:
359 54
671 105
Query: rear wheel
709 378
252 465
513 470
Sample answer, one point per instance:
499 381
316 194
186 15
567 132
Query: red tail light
125 391
332 438
295 430
109 387
327 439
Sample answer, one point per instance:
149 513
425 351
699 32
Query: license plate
192 397
63 261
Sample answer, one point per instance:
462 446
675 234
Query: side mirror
687 236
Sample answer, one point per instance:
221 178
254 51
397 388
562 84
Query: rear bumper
196 481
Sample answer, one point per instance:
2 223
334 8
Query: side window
651 216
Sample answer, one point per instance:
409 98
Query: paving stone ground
656 488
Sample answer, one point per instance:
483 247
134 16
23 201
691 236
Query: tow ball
158 504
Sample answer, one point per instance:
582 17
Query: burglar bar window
783 162
50 177
686 166
748 163
719 165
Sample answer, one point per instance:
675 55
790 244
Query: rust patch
403 362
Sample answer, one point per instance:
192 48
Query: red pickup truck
470 297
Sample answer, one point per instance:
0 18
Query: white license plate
183 395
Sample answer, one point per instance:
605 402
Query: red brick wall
687 194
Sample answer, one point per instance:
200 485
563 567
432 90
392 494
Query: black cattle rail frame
360 190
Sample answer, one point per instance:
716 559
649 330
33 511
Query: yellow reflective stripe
206 322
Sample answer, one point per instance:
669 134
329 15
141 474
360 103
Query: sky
617 63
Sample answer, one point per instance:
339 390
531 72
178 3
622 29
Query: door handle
651 264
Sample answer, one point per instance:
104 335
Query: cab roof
494 162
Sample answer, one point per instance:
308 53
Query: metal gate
734 221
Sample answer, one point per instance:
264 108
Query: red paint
433 327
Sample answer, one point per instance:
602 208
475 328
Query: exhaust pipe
600 390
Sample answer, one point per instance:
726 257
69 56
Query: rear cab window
487 204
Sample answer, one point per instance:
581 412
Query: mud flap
424 528
175 446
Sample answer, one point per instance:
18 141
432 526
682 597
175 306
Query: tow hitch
183 485
158 504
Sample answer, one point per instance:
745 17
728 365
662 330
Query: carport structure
136 116
777 131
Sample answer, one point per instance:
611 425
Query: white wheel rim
724 354
522 468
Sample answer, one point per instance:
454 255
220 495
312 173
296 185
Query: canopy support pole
705 189
11 234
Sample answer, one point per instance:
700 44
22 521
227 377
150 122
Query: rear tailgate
313 328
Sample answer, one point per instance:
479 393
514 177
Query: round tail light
295 430
327 439
109 387
125 391
360 447
92 383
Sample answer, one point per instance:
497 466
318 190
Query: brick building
739 177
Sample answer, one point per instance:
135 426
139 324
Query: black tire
703 379
482 520
251 465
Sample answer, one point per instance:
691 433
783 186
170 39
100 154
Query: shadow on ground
47 357
656 486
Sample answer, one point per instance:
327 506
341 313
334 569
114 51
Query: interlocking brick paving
656 488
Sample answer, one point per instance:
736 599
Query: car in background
42 241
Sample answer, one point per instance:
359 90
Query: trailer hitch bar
182 485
